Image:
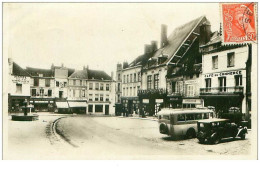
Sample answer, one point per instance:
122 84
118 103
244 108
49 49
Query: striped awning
62 105
77 104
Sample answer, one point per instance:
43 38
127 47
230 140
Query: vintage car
213 130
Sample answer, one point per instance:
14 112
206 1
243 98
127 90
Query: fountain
25 116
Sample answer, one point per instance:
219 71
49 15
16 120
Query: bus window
189 116
198 116
211 115
181 118
206 116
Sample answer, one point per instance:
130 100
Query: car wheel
190 134
243 136
202 140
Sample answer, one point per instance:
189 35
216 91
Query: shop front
42 104
16 103
62 107
78 107
192 103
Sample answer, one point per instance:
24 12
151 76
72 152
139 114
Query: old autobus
181 122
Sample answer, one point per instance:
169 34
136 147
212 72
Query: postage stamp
239 22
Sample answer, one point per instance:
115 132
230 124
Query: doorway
106 109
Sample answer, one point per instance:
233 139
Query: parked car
213 130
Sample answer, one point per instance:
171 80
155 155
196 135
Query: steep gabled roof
18 71
80 74
177 38
215 38
36 71
99 75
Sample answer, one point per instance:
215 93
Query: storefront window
98 108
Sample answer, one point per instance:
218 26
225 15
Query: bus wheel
190 134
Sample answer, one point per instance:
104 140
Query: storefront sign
174 99
191 101
20 80
145 100
191 82
159 100
223 74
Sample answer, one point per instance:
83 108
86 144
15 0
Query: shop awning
77 104
62 105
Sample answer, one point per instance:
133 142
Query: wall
129 84
25 81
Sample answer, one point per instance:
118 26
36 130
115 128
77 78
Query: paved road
125 138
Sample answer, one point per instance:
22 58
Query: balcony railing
221 90
175 94
152 91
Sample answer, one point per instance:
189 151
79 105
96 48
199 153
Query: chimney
163 35
205 32
147 48
154 46
119 67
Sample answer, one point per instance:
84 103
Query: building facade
42 89
18 87
224 77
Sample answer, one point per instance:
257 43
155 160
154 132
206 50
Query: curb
138 118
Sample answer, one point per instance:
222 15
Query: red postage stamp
239 23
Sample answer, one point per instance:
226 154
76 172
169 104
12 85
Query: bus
182 122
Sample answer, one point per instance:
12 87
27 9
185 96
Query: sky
98 35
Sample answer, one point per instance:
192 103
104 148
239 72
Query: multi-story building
18 87
42 87
225 71
172 72
118 105
91 92
130 85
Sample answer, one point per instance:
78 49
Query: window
127 80
107 87
149 82
80 83
231 59
57 84
134 77
49 92
130 94
118 77
74 82
215 62
173 87
206 116
73 93
131 78
18 88
198 116
36 81
96 97
139 76
33 92
156 81
90 97
41 92
97 86
189 117
238 80
107 97
179 86
47 82
98 108
181 118
190 91
124 78
101 97
90 108
118 87
101 86
222 83
134 92
65 84
123 91
208 84
83 93
90 86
